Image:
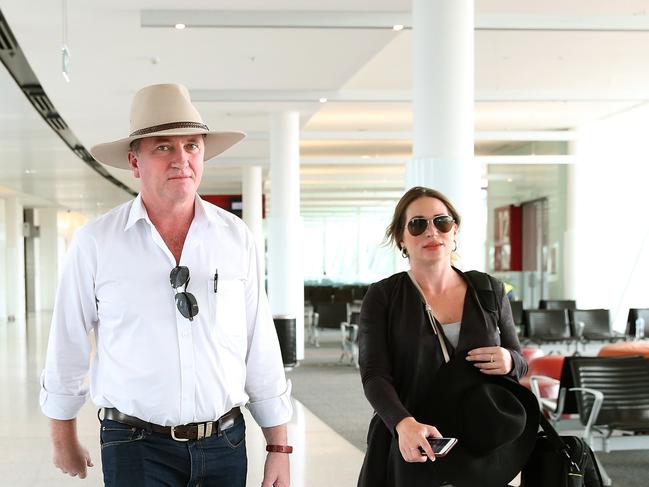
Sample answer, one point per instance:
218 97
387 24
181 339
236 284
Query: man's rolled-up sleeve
266 384
64 379
274 410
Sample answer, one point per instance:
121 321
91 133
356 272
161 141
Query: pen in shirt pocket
216 280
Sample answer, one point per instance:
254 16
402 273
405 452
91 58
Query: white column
3 261
285 279
443 118
47 258
570 235
251 199
15 259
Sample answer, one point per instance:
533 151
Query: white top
151 362
452 332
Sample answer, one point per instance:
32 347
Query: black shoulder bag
561 461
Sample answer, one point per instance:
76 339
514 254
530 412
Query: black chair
343 295
331 315
547 325
565 404
359 291
321 294
557 304
349 337
309 325
596 325
634 314
621 403
355 317
608 395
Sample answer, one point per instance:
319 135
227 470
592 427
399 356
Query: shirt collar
136 213
201 214
213 218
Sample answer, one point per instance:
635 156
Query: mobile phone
440 446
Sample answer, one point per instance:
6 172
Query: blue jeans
134 457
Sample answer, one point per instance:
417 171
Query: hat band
169 126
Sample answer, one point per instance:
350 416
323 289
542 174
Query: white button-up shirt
152 362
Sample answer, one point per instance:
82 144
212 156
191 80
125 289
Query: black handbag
561 461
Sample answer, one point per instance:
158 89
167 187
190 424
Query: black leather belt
185 432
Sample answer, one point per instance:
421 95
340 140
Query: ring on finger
492 358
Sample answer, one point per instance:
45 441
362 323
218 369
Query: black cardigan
399 355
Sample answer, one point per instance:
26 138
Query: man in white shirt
171 287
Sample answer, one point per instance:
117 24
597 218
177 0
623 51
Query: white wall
611 225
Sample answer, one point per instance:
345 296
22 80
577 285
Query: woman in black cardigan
400 351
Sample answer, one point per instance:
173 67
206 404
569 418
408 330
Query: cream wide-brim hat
160 110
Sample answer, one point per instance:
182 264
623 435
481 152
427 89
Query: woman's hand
491 360
413 435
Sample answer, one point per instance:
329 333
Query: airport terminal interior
532 116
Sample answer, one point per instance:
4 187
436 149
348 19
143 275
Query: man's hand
69 455
276 471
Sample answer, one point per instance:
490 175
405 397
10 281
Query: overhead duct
14 60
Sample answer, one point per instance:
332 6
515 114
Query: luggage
561 461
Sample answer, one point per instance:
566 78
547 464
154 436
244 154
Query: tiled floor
321 458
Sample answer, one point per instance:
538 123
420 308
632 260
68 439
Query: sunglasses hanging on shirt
419 224
185 301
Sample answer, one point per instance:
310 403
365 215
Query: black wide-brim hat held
494 418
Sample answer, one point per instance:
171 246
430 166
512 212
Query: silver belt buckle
173 434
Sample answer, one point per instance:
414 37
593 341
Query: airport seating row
554 323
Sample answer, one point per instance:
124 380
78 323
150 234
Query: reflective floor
321 457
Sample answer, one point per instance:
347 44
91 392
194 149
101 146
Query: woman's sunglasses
185 301
418 224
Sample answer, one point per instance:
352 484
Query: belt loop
208 429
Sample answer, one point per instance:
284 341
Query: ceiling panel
526 80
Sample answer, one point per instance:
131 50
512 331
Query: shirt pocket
228 308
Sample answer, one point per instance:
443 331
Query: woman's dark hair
394 232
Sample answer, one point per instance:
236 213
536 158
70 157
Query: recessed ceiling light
322 100
510 180
365 156
180 26
397 27
30 171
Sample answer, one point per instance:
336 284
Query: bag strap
433 322
556 441
483 283
558 445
